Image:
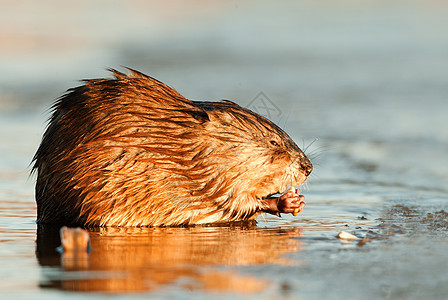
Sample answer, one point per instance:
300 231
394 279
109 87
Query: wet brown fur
131 151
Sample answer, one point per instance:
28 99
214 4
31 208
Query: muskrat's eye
275 143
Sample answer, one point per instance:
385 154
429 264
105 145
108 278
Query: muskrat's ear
200 115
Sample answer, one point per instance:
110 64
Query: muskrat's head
263 157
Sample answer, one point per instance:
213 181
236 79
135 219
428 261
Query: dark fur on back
131 151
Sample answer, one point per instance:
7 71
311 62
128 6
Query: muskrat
131 151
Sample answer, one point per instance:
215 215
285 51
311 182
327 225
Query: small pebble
344 235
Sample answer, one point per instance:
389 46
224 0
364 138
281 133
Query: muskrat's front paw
291 202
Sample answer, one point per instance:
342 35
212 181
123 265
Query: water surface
365 83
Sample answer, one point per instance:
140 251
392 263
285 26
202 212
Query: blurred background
351 73
363 85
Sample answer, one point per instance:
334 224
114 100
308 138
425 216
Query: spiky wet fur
131 151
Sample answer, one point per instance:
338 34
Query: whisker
306 148
315 153
307 186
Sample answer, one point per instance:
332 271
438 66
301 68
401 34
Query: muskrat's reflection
135 259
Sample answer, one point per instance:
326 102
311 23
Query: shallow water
365 83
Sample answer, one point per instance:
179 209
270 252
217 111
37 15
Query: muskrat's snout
301 168
307 167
